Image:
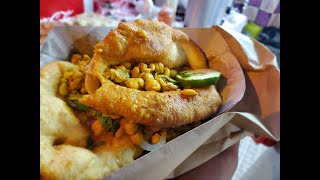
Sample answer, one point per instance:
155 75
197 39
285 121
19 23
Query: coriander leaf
89 142
99 113
106 122
78 106
169 79
115 127
95 114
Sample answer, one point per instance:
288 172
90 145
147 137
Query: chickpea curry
139 76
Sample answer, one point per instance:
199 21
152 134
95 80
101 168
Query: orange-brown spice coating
152 109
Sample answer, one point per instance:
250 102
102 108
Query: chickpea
119 132
137 138
67 74
86 57
161 81
156 67
173 73
152 85
99 50
83 90
166 71
120 76
143 67
122 68
133 83
155 138
77 74
75 58
82 65
75 84
135 72
189 92
145 76
141 82
152 67
97 127
172 86
161 67
112 73
127 65
63 89
131 128
107 75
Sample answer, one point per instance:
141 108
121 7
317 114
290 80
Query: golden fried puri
148 41
144 41
153 109
63 139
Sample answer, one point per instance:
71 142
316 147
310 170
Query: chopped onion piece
151 147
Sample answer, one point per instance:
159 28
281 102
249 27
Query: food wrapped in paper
218 133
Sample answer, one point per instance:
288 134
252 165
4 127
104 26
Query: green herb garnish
96 113
115 127
106 122
91 144
168 78
78 106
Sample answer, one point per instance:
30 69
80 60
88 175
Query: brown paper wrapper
252 95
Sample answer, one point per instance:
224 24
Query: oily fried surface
148 41
145 41
153 109
63 139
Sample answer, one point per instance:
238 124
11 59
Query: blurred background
258 19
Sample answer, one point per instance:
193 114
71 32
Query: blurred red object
49 7
165 15
265 141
